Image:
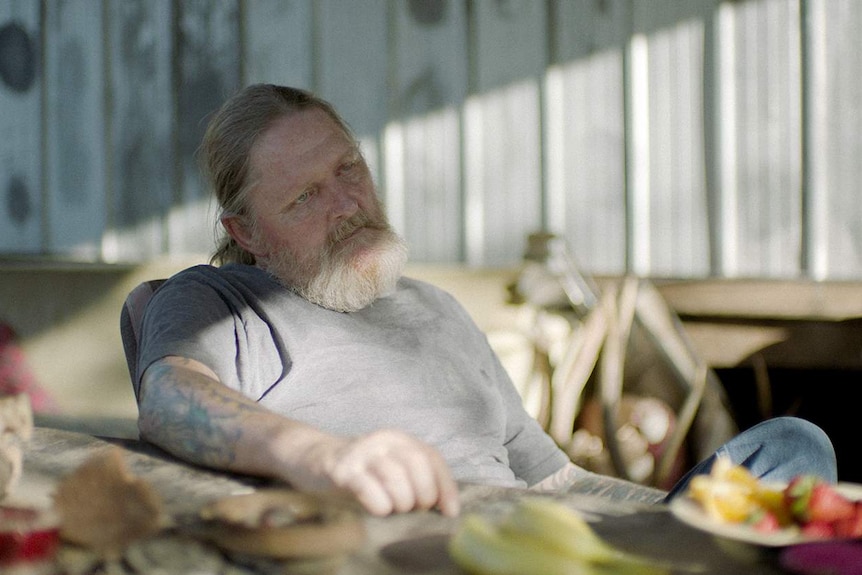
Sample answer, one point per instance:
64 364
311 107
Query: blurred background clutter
693 163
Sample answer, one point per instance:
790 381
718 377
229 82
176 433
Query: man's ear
240 231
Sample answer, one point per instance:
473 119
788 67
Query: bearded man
305 356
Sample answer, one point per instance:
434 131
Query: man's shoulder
229 273
198 269
224 281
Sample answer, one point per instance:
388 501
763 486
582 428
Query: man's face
318 225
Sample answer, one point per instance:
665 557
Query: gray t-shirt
413 360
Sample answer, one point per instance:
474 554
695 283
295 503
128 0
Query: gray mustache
348 227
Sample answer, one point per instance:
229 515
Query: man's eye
351 169
303 197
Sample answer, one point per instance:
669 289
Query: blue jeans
775 450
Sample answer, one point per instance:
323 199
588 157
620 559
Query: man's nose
343 201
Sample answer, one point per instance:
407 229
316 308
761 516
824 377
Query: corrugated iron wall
660 137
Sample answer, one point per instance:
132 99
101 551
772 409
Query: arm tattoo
191 418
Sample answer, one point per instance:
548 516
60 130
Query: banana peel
481 547
540 537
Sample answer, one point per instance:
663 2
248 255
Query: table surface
624 514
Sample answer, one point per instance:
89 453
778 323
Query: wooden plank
142 169
350 48
764 173
503 130
669 180
21 126
75 143
585 133
423 167
835 117
765 299
278 43
208 66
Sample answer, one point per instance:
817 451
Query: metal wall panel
423 137
835 125
668 179
75 128
208 70
585 133
660 137
503 118
762 175
351 48
21 210
140 141
277 45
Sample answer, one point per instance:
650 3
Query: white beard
341 285
337 280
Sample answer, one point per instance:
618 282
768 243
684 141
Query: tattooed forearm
192 416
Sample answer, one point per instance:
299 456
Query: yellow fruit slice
730 493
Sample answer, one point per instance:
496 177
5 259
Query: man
307 357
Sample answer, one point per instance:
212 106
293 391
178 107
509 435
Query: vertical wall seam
805 133
629 227
44 179
108 102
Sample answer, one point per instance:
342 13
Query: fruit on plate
817 508
821 510
730 494
539 536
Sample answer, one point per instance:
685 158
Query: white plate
690 512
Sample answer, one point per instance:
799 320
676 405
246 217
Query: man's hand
386 471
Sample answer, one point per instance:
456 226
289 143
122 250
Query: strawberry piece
767 522
818 530
827 505
852 526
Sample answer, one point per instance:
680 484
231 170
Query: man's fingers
448 500
431 479
370 493
390 471
395 479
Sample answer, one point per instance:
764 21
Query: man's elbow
147 426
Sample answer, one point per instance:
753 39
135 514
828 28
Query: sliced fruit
818 530
765 522
826 504
852 526
797 493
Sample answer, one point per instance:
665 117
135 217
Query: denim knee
777 449
811 442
